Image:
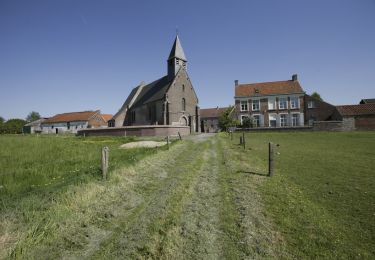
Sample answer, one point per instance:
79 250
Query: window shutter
277 120
261 120
301 119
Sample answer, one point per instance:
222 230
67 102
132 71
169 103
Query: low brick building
318 110
362 116
73 122
210 119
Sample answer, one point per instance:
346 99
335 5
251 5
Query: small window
283 103
283 120
256 105
310 104
183 88
294 102
244 106
256 120
177 62
295 119
183 104
271 103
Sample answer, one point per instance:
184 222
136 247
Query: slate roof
268 88
211 112
367 100
151 92
177 51
71 117
357 110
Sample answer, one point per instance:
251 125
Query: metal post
270 159
105 161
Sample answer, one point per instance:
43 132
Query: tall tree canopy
12 126
1 120
32 116
316 95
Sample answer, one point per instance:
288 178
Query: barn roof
212 112
268 88
107 117
72 116
357 110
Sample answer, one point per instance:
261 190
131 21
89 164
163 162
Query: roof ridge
266 82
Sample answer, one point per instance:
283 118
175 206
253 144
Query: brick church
170 100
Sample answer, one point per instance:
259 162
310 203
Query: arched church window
183 88
183 104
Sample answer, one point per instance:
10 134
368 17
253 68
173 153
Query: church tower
176 59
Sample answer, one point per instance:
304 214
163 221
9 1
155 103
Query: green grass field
322 196
199 199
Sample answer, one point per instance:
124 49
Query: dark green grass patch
322 195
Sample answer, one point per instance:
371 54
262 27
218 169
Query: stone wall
365 122
347 124
146 130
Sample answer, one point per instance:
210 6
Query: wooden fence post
243 140
270 159
105 161
179 135
168 141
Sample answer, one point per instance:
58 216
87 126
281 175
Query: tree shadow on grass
254 173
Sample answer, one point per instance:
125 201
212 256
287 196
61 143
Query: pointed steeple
177 51
176 59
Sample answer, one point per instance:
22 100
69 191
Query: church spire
176 59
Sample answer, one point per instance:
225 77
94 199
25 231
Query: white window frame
286 102
257 121
292 103
311 104
244 103
274 117
271 100
286 119
255 101
298 118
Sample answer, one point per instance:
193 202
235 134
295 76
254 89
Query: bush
12 126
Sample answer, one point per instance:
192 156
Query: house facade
170 100
271 104
73 122
319 110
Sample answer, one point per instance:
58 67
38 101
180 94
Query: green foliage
2 120
32 116
226 119
12 126
316 95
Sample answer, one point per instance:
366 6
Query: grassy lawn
322 195
201 199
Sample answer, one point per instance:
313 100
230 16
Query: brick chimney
294 77
236 82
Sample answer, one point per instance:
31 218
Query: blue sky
74 55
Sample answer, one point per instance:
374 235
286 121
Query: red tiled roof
268 88
212 112
70 117
107 117
357 110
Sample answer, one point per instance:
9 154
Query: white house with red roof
271 104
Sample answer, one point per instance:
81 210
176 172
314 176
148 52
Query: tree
32 116
13 126
316 95
2 120
226 119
